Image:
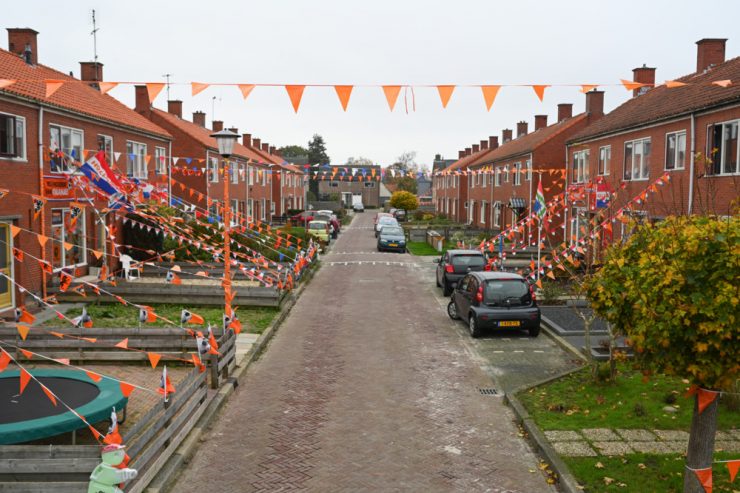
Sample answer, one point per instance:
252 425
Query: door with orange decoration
6 266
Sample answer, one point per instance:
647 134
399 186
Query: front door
6 264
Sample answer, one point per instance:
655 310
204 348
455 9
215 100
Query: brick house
689 131
198 175
503 181
351 180
450 186
77 119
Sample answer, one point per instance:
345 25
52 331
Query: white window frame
529 170
137 167
722 150
517 174
17 156
678 137
234 215
234 168
250 209
212 169
263 207
160 160
506 174
72 131
81 223
250 174
580 166
633 165
497 214
605 158
497 182
484 178
108 147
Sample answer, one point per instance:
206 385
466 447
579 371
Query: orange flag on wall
295 93
153 89
197 87
245 89
445 93
539 90
344 92
391 95
489 95
52 86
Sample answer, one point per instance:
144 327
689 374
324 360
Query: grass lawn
254 319
642 473
421 248
575 402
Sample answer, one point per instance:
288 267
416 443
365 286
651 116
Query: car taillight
479 295
531 293
449 268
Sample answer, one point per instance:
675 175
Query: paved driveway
367 386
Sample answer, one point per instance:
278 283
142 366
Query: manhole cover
488 391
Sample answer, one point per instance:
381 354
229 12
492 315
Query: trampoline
31 415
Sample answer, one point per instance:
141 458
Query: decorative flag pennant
246 89
445 93
14 230
126 388
165 386
147 315
153 89
197 87
187 316
84 320
4 360
732 467
25 378
295 93
113 436
4 191
38 205
705 397
18 254
631 85
49 394
93 376
64 281
173 278
673 83
344 92
23 316
705 478
123 344
539 90
23 331
588 87
106 86
489 95
52 86
722 83
391 95
154 358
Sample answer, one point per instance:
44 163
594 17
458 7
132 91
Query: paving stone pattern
365 387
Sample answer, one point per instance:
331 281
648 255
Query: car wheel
446 288
534 331
452 311
473 326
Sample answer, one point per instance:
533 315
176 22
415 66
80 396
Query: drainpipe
691 164
169 176
41 193
530 172
565 198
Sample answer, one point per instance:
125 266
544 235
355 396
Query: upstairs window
675 150
580 166
12 136
369 184
498 177
724 149
234 171
605 159
160 160
105 144
529 170
136 165
69 142
637 159
506 174
518 174
213 170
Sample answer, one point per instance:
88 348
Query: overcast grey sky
377 42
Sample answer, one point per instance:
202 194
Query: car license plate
392 244
509 323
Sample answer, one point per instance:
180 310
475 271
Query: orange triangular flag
106 86
25 378
705 398
123 344
539 90
6 82
52 86
126 388
588 87
705 478
23 331
391 95
732 467
722 83
95 432
154 358
64 361
27 354
4 360
42 240
673 83
245 89
445 93
489 95
97 254
631 85
344 92
550 274
197 87
295 93
539 283
153 89
14 230
49 395
93 376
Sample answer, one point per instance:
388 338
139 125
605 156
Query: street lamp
225 140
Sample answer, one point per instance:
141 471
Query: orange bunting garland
126 388
25 377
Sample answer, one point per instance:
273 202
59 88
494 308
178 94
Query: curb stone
561 342
163 481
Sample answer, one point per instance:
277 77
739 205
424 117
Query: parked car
319 229
382 214
384 221
357 204
303 217
495 300
400 215
334 225
392 238
455 264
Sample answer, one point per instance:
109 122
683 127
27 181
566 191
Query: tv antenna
94 34
167 76
213 107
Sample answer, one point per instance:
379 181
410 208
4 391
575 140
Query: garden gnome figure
106 476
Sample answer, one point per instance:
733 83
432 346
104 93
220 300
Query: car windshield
392 231
317 226
468 260
387 220
501 290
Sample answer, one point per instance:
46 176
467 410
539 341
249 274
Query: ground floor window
69 237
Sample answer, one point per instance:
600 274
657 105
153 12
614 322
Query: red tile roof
661 102
273 159
527 143
464 161
75 96
203 135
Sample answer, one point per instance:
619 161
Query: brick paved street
367 386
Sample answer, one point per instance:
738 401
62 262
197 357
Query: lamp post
225 140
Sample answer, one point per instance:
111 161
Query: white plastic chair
128 269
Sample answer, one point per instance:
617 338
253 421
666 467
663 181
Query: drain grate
488 391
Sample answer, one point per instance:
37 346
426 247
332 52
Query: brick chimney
233 129
174 107
142 104
22 42
217 125
540 121
643 75
506 135
438 157
265 147
521 129
247 140
460 154
476 148
493 142
709 51
199 118
483 145
565 110
272 149
595 104
91 71
256 143
468 151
